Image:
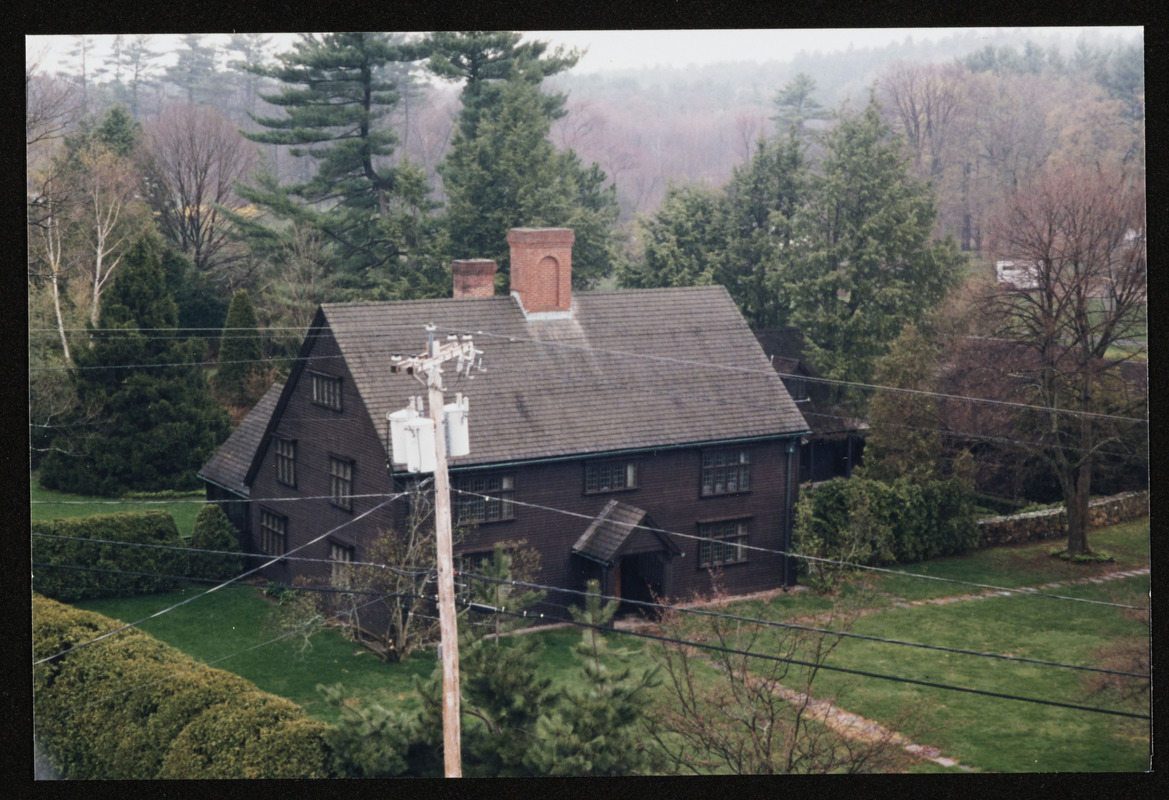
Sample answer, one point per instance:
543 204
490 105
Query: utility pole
430 364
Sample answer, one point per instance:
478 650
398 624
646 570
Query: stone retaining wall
1051 523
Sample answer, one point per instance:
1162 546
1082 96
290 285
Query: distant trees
1080 233
192 159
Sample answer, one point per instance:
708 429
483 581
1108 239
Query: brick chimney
474 277
541 268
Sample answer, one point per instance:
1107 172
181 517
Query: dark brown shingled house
639 437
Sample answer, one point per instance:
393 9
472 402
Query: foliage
679 244
507 174
194 292
214 532
240 354
862 262
757 716
132 707
795 103
869 522
594 728
163 423
116 554
334 98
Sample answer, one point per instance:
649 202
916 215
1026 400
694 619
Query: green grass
46 504
982 733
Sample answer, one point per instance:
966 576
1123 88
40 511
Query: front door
639 577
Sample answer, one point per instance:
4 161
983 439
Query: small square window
327 391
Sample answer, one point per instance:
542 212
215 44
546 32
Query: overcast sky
623 49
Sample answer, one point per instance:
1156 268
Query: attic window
796 387
327 391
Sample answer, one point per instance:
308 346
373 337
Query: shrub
68 583
130 706
214 532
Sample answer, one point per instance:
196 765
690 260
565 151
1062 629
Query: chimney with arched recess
541 269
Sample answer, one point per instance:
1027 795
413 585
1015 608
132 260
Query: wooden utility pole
430 363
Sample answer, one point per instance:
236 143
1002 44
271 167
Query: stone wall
1051 523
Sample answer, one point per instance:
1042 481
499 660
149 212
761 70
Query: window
341 483
327 391
796 387
722 542
286 462
726 472
342 557
489 498
610 476
475 564
273 533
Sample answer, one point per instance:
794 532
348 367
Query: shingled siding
669 491
320 433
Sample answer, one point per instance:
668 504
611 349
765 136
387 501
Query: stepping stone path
854 726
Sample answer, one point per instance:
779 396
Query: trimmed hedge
130 706
214 531
872 522
69 585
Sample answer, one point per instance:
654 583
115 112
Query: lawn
45 504
982 733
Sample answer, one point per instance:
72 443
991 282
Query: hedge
214 532
131 706
69 585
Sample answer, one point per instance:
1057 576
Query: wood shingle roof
229 465
631 370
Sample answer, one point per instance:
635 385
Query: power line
228 582
833 562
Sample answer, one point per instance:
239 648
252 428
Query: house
636 437
836 444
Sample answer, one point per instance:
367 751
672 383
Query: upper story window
286 461
726 472
341 483
273 533
327 391
341 556
610 476
722 542
485 498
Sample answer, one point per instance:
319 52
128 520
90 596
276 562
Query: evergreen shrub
214 532
130 706
68 585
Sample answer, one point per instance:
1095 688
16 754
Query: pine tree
862 262
368 210
594 728
681 243
240 354
161 421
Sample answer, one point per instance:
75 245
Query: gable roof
607 534
228 467
630 370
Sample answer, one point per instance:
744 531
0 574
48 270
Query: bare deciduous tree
108 189
194 156
758 716
50 106
1079 233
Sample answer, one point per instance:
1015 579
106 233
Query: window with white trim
722 542
326 391
273 533
341 483
610 476
725 472
286 461
485 498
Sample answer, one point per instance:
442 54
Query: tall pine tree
240 354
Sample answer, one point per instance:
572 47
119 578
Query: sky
625 49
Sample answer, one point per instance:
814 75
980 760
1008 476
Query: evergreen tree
680 244
214 532
508 175
795 104
370 211
194 71
594 728
862 263
162 424
240 354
